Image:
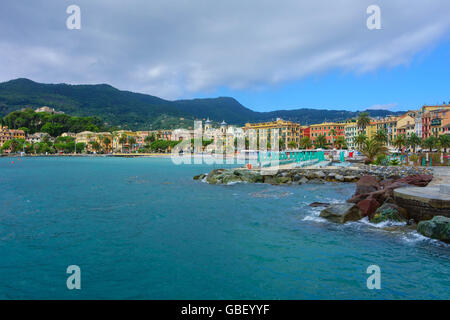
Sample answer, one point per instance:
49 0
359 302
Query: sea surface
142 228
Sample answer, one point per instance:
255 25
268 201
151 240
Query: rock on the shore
303 180
351 178
389 212
199 177
367 184
215 176
319 204
276 180
436 228
388 187
368 207
321 175
222 176
341 213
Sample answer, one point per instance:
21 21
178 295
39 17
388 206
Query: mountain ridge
143 111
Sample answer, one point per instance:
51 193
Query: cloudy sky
268 54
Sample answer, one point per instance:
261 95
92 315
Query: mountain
141 111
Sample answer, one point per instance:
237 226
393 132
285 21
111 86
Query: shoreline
376 197
121 155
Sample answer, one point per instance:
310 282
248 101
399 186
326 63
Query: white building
351 132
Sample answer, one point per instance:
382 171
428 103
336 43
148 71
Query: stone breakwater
373 198
296 176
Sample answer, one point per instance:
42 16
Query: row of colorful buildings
426 122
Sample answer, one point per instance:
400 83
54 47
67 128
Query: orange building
325 129
435 122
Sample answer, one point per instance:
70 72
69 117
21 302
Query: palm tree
444 141
360 139
381 136
100 138
131 142
332 133
320 142
363 120
148 139
371 148
106 143
340 142
281 144
430 143
114 136
95 145
399 142
123 139
305 143
292 144
413 141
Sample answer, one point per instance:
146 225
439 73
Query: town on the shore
425 129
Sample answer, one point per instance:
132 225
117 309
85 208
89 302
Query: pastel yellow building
119 144
388 125
287 130
405 125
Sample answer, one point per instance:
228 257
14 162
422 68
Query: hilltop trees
53 124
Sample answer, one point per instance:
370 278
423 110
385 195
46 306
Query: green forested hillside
141 111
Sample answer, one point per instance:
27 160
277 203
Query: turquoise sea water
143 229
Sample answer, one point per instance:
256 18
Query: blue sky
425 80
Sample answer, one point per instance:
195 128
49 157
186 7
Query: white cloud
179 47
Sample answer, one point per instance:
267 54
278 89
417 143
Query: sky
268 54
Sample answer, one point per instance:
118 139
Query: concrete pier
425 203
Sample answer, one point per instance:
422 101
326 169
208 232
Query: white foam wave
314 218
383 224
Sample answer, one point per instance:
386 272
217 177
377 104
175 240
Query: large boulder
367 184
414 180
215 176
350 178
230 178
389 212
368 206
319 204
341 213
436 228
276 180
249 176
419 180
303 180
320 175
200 177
